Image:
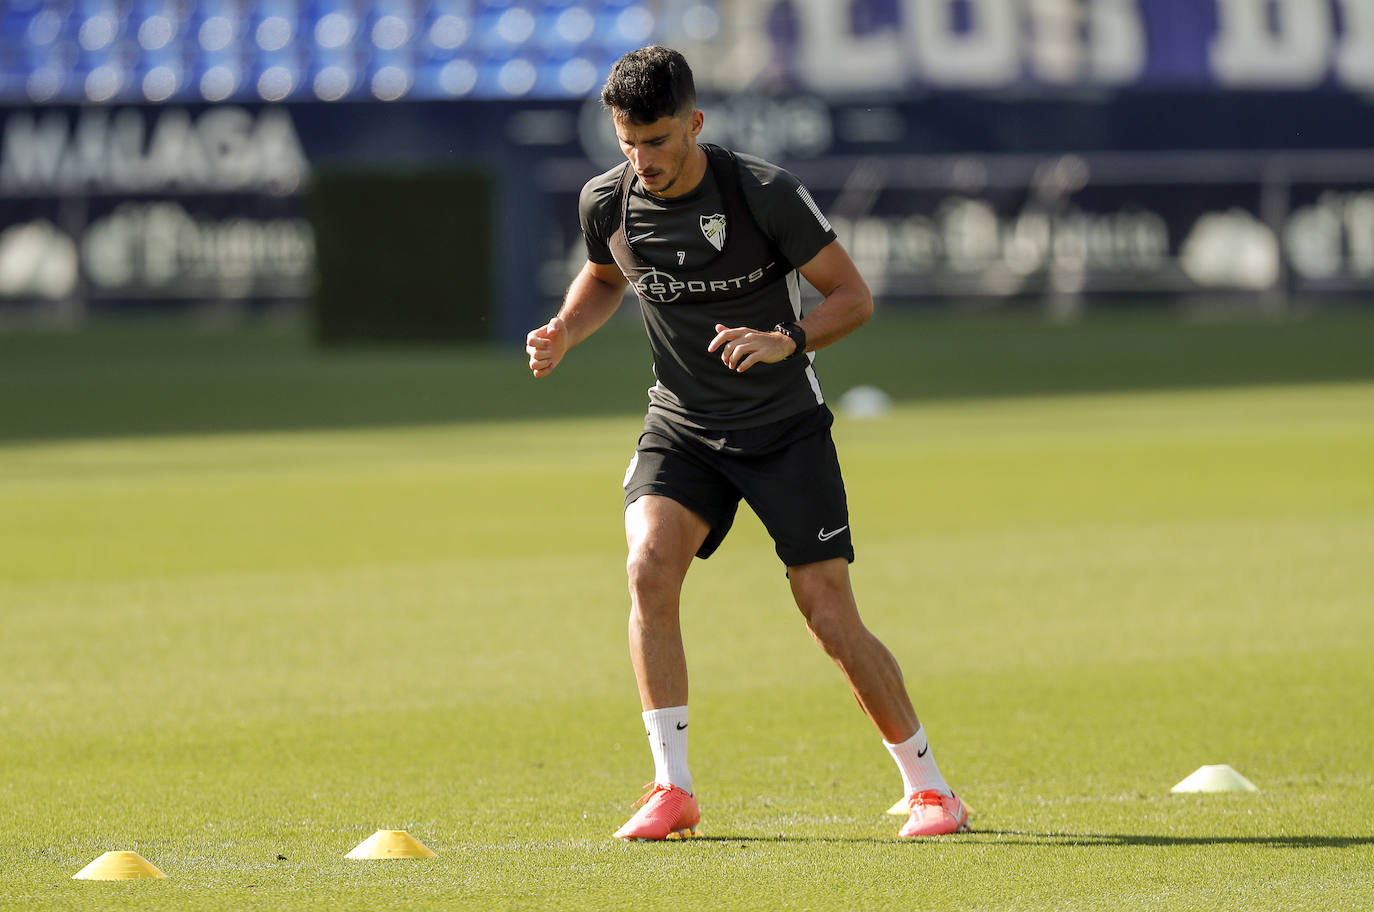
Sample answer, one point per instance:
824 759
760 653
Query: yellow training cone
118 866
391 844
901 809
1217 778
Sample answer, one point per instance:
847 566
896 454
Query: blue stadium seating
107 51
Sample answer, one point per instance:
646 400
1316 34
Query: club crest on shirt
713 226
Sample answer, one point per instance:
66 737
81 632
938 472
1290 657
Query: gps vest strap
748 261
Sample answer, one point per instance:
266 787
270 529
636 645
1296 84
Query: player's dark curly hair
648 84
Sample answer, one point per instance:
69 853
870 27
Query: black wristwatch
796 334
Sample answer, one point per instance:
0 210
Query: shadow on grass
1133 839
799 840
1017 837
122 379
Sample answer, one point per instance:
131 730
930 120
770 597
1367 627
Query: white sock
667 731
917 763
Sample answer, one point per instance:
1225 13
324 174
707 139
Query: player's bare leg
663 537
826 600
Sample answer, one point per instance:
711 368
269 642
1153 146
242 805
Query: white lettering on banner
1355 59
225 149
998 43
1056 54
37 259
1332 238
968 240
1062 41
1359 233
1296 52
160 248
1117 47
1299 48
833 58
988 54
968 237
1231 249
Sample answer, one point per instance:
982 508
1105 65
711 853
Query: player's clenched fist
546 346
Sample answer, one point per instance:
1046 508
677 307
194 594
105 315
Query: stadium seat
564 28
390 75
333 74
51 75
331 28
574 75
161 75
452 78
624 27
219 76
277 76
502 30
106 51
216 27
442 38
273 26
510 77
389 26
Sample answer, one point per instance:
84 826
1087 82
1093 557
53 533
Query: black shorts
787 471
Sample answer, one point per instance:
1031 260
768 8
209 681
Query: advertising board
980 196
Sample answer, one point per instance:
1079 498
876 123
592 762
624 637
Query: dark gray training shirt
721 254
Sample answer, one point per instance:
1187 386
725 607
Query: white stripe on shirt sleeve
806 198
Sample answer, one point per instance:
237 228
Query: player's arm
846 305
592 297
846 301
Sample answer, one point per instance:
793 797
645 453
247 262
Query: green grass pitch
258 603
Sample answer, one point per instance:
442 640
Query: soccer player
714 244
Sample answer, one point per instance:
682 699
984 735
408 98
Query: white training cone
1218 778
901 809
865 402
391 844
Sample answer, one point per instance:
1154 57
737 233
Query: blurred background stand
159 157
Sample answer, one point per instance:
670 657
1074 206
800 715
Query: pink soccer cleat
667 813
933 814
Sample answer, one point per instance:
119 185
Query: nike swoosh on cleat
826 536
